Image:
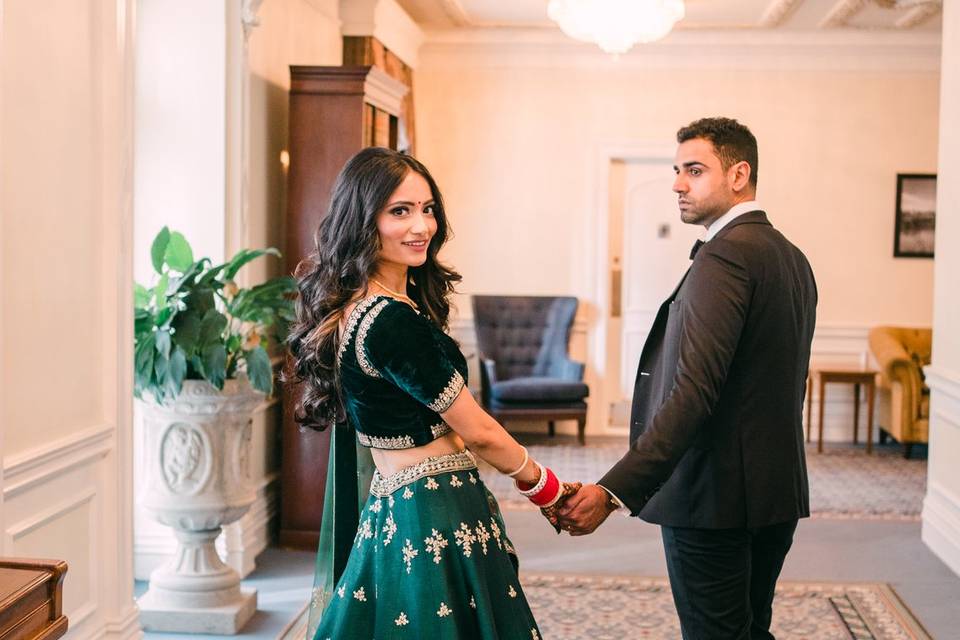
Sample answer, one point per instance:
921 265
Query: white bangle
537 488
526 458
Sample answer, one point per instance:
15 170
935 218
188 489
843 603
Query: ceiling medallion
616 25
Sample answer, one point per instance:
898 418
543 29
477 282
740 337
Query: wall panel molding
25 470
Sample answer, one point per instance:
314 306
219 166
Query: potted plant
201 369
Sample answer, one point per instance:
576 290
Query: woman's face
406 224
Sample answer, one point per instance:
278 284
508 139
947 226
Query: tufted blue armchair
525 372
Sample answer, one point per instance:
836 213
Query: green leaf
260 303
215 365
160 365
141 296
159 249
259 370
179 255
143 362
160 291
212 326
176 372
243 257
188 277
200 300
163 343
186 328
142 322
197 363
164 317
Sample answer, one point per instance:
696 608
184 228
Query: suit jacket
716 427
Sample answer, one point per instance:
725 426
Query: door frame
596 233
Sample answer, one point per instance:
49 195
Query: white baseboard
941 525
941 507
126 627
238 545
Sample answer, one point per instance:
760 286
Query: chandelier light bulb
616 25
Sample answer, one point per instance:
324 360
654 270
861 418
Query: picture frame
916 212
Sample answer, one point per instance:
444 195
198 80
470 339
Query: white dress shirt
736 210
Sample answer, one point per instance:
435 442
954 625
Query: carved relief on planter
185 459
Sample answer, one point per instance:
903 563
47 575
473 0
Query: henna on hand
551 512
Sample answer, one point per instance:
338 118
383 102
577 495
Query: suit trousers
723 579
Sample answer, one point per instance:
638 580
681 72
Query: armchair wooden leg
551 428
907 450
581 428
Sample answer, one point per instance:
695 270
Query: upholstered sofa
904 410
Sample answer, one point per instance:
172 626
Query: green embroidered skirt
431 560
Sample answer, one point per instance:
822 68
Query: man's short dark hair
733 141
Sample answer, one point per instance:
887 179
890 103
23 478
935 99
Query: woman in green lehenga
412 544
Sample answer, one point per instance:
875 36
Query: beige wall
291 32
514 148
66 72
52 236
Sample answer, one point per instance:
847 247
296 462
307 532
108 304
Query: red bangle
550 492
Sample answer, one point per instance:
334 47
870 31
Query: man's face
703 188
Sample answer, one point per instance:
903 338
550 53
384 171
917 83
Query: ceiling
894 15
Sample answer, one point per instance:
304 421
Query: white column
941 509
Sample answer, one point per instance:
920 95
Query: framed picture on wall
916 215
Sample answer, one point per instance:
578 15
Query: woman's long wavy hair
347 245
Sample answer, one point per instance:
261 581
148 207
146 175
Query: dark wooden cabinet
334 112
31 599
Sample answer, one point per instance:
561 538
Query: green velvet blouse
398 373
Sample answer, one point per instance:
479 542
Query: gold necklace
395 294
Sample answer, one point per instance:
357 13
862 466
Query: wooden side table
856 377
31 599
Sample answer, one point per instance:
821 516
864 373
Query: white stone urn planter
197 457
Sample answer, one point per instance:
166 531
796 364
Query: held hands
572 506
582 513
551 513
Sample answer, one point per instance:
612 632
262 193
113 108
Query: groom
717 454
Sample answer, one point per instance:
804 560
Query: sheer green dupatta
349 472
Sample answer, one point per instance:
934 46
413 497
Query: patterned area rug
602 608
577 607
844 481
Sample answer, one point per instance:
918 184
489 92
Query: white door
654 253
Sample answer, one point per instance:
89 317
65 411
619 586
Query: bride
426 553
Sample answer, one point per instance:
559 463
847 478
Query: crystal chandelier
616 25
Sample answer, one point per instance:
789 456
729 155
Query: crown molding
386 21
748 48
918 15
841 12
777 12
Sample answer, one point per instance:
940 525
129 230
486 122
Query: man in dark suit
717 455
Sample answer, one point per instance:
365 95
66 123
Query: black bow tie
696 247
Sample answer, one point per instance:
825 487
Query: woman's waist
383 484
390 461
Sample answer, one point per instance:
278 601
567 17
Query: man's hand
586 510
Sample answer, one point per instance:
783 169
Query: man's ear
740 175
